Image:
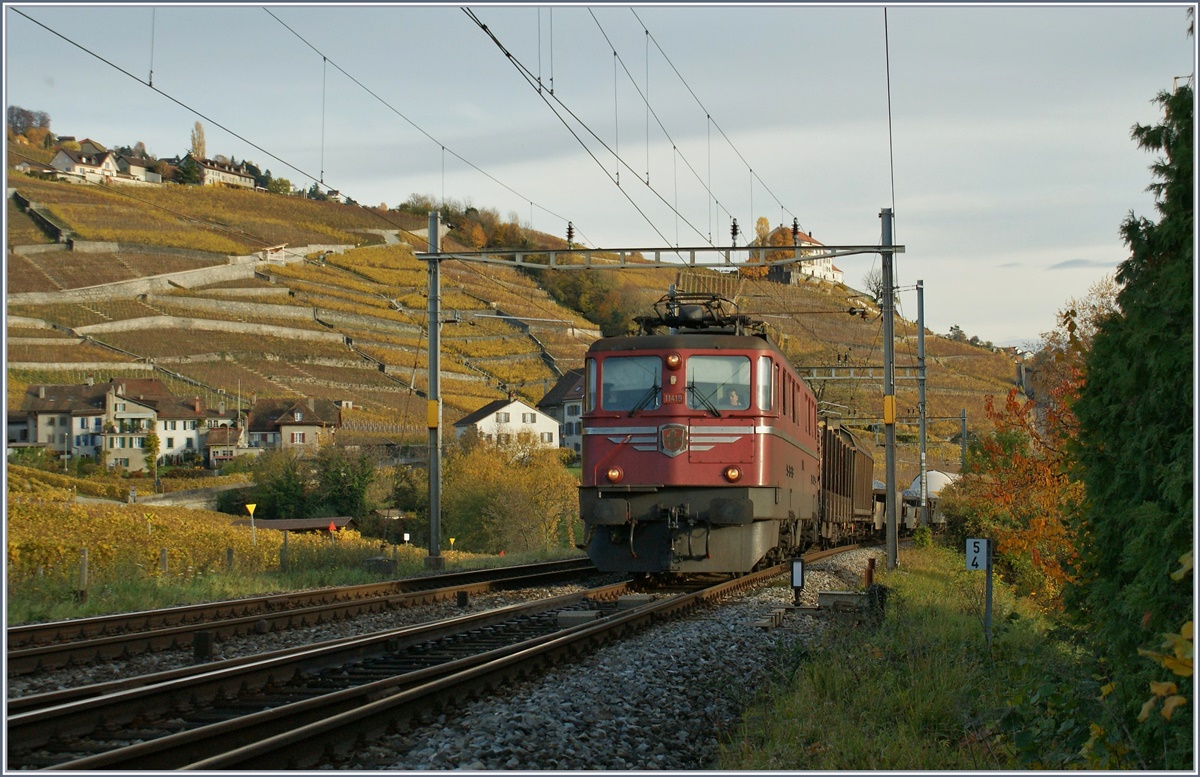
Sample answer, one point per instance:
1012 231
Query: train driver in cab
736 398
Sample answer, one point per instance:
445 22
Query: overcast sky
1008 144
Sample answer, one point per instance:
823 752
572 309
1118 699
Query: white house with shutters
94 167
504 420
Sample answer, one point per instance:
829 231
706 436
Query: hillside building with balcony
109 422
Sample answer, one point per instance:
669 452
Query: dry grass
25 276
67 314
154 344
22 229
207 218
61 354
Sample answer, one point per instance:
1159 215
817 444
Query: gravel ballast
660 700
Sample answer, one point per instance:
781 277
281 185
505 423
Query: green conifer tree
1135 446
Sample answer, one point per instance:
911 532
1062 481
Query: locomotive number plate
673 399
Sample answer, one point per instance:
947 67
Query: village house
92 167
89 146
34 168
214 173
564 403
814 265
292 424
109 422
503 421
226 443
137 168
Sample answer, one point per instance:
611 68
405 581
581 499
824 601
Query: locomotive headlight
614 474
674 360
733 474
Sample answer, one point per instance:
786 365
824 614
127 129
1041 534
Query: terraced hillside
352 325
324 329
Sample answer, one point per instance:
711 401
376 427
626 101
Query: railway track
48 646
170 720
300 708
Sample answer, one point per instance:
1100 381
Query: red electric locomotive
701 446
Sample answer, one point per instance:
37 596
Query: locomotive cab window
718 382
763 375
631 383
589 393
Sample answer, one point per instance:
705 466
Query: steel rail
162 693
274 612
304 733
307 745
104 625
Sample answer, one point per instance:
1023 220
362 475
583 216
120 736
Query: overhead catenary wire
168 96
524 71
531 78
708 114
320 176
324 68
651 112
152 33
412 123
292 166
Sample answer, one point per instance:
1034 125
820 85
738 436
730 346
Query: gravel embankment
251 644
657 701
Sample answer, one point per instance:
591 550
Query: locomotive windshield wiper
703 400
650 394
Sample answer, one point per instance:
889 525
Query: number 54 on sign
977 555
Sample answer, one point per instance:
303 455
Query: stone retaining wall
99 366
137 286
191 358
258 292
34 323
41 248
47 340
246 308
173 322
95 247
337 317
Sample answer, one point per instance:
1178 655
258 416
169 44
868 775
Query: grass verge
51 598
921 690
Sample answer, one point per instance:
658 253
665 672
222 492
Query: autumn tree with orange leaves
756 264
1018 492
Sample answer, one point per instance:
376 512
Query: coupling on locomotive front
701 446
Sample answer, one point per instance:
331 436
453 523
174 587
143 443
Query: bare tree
873 281
198 149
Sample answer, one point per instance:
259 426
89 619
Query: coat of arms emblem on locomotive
673 439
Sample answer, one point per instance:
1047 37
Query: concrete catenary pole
924 519
889 389
433 407
963 460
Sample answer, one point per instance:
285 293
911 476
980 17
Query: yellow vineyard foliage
26 479
49 534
